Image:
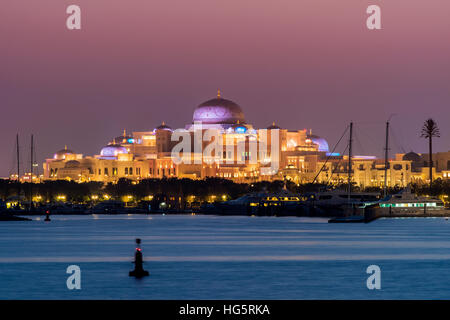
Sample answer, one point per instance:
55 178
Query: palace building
247 154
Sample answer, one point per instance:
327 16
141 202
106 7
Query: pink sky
305 64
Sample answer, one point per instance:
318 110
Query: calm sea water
209 257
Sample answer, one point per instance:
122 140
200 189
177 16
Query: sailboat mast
350 161
32 162
31 172
386 158
18 170
18 157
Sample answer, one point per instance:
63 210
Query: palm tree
429 131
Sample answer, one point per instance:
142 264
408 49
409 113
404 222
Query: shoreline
364 218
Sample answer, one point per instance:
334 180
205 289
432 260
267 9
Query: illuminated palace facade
301 155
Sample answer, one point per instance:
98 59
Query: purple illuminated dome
112 150
218 111
61 154
323 144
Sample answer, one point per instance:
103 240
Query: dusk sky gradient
301 63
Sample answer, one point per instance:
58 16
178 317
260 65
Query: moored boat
283 203
339 203
407 204
109 207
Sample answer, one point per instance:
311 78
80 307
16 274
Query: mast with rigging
31 171
350 162
386 159
18 170
18 157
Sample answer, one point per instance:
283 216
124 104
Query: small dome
239 128
124 138
218 111
61 154
163 126
273 126
412 156
112 150
321 142
72 164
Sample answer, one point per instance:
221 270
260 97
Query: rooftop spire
65 147
124 132
218 94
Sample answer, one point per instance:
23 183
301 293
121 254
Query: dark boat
283 203
109 207
7 215
337 203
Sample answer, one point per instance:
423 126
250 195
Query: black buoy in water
47 216
138 271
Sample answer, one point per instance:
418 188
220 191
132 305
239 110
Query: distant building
302 155
420 162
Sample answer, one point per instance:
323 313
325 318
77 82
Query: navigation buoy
47 216
138 271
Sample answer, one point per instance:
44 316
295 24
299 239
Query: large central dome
218 111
